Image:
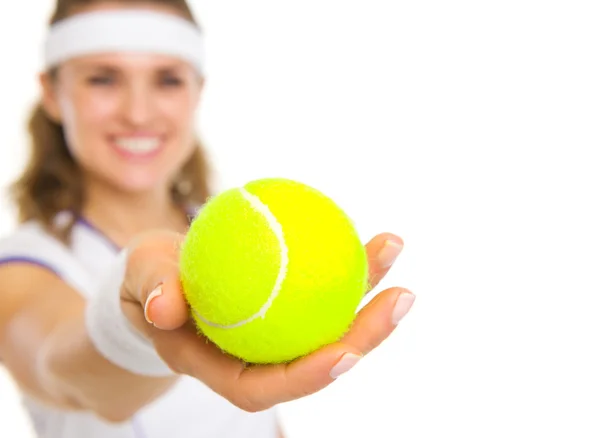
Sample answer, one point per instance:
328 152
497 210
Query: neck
122 215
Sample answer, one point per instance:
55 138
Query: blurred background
469 128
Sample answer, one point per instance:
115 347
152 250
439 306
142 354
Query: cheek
180 110
83 117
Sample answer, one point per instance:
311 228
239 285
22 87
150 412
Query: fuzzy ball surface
273 270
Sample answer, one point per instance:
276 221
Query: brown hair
51 181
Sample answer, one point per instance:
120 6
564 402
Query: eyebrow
103 67
170 69
109 68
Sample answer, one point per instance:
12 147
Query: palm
258 387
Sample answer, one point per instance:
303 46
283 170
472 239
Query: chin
134 183
141 187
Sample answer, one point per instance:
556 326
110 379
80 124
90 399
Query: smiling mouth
137 146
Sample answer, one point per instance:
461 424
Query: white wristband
114 336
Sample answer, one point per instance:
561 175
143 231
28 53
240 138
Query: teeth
138 145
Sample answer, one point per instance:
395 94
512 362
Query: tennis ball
273 270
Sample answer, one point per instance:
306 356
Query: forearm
72 369
45 345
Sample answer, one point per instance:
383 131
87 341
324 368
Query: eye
101 80
169 80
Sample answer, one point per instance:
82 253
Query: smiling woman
98 108
94 327
156 138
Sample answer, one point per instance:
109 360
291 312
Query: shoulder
29 239
30 243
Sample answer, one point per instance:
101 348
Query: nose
138 105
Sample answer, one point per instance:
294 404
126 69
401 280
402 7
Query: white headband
124 31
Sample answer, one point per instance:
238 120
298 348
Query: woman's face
128 118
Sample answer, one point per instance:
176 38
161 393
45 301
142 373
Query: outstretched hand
153 301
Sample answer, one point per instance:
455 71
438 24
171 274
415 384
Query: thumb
153 285
161 295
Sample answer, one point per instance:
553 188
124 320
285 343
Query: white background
471 129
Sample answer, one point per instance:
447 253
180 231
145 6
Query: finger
250 387
261 387
382 252
265 386
378 319
161 295
153 282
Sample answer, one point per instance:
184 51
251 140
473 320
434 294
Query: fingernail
389 253
155 293
347 361
403 305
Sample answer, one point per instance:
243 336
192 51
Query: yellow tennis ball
273 271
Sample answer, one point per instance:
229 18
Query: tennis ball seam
277 229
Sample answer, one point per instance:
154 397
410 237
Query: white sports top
190 409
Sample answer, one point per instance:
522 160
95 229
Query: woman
93 325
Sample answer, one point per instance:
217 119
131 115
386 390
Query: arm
44 344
